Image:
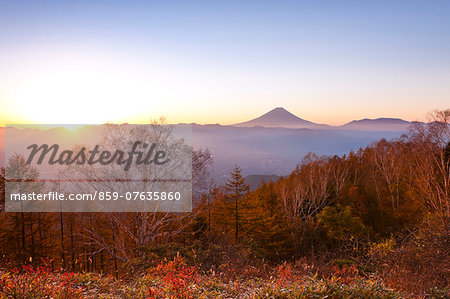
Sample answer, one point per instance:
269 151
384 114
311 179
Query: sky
222 61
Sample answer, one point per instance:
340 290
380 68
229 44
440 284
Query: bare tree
388 160
339 173
429 162
127 231
308 194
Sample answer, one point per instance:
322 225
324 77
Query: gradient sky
222 61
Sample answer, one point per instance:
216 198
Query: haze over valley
273 144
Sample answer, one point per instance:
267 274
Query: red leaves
346 273
177 276
38 282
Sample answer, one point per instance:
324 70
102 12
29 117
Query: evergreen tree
237 188
270 232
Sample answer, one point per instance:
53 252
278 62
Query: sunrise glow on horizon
224 63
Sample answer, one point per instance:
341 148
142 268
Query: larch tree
237 189
24 180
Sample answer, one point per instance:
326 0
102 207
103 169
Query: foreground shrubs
40 282
175 279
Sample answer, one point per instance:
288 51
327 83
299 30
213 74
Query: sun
78 94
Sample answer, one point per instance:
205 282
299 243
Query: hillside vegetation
371 224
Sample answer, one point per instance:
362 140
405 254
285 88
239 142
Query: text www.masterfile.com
97 195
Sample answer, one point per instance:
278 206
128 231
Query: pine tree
270 230
237 188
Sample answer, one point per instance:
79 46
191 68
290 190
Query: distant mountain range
379 124
256 180
268 146
281 118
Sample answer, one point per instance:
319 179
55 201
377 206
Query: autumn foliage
372 223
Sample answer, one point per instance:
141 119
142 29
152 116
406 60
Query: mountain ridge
281 118
377 124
